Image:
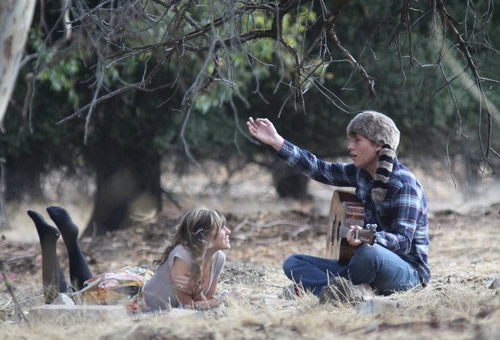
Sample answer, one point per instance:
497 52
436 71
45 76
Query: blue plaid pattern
401 217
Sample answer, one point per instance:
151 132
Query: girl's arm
179 272
181 269
202 302
213 288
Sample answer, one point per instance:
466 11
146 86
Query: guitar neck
364 235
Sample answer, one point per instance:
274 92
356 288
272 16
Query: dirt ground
462 300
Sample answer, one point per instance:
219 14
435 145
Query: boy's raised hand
264 131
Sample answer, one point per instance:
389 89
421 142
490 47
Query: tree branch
483 102
369 81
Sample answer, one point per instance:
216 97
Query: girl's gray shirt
159 291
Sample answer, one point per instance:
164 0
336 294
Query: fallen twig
274 224
301 230
30 258
240 225
19 310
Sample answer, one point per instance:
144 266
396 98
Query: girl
186 276
189 269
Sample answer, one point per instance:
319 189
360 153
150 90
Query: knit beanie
381 130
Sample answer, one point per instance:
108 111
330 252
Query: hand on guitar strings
351 236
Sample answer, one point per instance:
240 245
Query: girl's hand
233 295
227 297
264 130
183 283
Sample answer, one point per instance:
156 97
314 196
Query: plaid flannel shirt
401 218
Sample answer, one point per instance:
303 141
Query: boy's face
363 152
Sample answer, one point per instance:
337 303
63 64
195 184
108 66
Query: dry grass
444 310
459 303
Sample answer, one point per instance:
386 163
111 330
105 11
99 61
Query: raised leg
79 270
52 274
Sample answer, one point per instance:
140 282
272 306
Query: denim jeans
375 265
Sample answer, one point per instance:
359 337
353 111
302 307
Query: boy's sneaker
340 290
291 292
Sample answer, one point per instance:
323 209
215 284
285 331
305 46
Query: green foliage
253 80
60 76
58 73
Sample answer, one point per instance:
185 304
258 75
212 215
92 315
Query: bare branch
370 82
211 34
483 101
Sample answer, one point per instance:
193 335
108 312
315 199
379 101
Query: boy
393 199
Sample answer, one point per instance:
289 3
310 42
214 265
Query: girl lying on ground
186 275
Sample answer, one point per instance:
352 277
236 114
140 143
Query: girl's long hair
193 232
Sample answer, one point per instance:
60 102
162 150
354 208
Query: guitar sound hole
332 233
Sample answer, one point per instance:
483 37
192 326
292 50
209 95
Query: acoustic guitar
346 210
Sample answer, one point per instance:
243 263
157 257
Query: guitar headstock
366 236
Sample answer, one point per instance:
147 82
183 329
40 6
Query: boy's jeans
375 265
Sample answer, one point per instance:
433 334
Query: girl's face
220 240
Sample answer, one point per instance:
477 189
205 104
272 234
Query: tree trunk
128 188
15 22
22 181
288 182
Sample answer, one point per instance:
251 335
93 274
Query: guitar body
345 210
